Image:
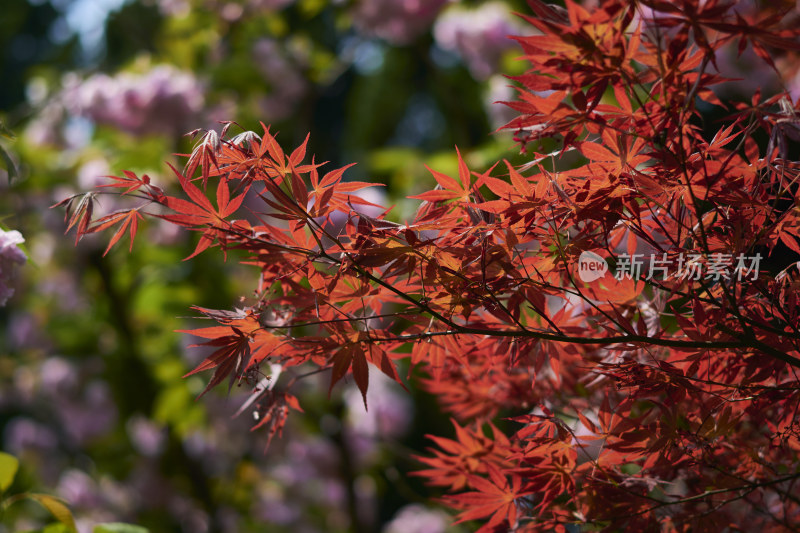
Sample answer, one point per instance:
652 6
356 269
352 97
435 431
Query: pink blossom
58 376
499 90
77 487
395 21
148 438
417 518
45 128
164 100
389 416
93 173
24 434
87 414
794 87
749 72
479 36
175 8
10 256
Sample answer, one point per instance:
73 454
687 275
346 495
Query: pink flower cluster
10 256
479 36
396 21
164 100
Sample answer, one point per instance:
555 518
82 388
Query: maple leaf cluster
641 402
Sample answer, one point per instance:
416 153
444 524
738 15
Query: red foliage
663 402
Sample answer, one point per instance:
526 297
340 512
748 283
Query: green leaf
56 507
11 168
118 527
8 469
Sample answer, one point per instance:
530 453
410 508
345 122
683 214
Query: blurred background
92 400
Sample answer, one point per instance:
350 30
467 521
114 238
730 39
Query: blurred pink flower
58 376
274 508
164 100
499 90
10 256
89 415
789 67
148 438
416 518
24 332
395 21
25 435
45 128
174 8
479 36
749 72
79 489
389 415
794 87
93 173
